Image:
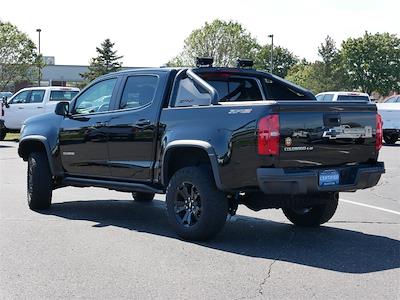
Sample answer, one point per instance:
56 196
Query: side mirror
62 108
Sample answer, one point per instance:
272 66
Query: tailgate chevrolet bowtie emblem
346 132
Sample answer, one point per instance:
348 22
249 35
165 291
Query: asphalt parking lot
95 243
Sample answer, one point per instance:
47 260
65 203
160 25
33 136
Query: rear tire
39 181
390 139
196 209
314 215
143 197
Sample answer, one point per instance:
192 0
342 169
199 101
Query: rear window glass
276 90
352 98
236 89
62 95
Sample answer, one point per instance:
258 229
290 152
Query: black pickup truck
210 138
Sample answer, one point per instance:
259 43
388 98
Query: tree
321 76
306 75
283 60
17 56
224 41
331 70
371 63
105 62
328 51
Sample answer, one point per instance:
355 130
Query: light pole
39 63
272 53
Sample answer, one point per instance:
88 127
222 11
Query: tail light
1 109
268 135
379 132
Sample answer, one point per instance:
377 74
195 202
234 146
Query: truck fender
27 144
193 144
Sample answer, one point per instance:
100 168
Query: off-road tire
3 134
212 204
315 215
39 181
143 197
390 139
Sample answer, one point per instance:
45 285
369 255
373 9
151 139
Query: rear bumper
292 182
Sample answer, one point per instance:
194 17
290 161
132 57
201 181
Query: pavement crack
261 285
278 257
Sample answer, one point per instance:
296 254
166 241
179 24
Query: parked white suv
30 102
343 96
390 112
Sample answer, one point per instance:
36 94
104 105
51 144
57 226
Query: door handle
39 107
20 108
99 124
142 122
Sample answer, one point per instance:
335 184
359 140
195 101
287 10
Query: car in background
393 99
343 96
390 112
5 95
31 102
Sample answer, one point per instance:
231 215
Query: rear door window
36 96
139 91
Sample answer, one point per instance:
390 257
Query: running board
111 185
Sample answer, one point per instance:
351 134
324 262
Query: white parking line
371 206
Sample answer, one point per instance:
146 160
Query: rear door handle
20 108
39 107
142 122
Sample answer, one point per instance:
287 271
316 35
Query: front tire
3 133
40 184
196 209
143 197
315 215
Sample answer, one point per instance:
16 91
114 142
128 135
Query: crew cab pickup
210 138
30 102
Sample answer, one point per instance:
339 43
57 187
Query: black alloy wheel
187 204
196 209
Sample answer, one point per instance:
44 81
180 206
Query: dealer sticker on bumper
328 178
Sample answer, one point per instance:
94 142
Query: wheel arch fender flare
30 143
205 146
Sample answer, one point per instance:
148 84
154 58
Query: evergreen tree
105 62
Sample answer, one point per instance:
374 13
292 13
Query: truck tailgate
316 134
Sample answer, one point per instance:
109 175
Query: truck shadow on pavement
329 248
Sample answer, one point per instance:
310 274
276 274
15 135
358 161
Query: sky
151 32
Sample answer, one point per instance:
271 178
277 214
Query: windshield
62 95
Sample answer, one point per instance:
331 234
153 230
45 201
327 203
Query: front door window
96 98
